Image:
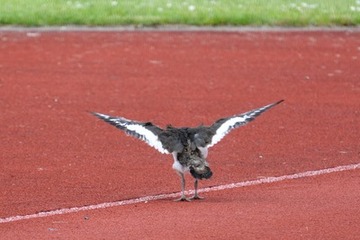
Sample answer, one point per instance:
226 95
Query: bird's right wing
224 125
144 131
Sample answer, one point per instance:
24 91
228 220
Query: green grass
191 12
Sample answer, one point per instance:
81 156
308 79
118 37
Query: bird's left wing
146 132
224 125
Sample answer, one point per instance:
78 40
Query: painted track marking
173 195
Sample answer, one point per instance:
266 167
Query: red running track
54 155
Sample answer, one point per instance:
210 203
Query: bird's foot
196 197
182 199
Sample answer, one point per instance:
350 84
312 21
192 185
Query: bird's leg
196 196
183 197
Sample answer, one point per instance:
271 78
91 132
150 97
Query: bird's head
199 168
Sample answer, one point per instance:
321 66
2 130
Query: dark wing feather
146 132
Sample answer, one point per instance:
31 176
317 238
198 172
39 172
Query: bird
188 145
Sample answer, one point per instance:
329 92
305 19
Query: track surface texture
54 155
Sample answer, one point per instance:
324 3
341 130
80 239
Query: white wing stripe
225 128
149 136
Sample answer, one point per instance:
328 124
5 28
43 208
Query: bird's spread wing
224 125
143 131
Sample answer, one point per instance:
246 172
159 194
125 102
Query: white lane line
173 195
